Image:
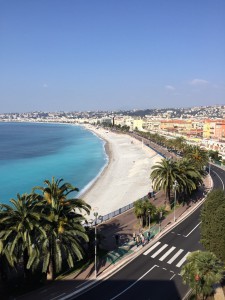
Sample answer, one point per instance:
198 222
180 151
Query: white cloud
198 81
170 87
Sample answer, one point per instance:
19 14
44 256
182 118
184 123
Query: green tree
198 156
189 177
63 225
21 230
213 223
163 176
215 155
139 211
201 271
179 143
149 210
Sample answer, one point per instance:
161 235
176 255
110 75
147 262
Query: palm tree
190 178
179 143
149 210
139 210
198 156
21 230
63 225
201 271
163 176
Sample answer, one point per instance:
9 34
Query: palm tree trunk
51 273
25 261
51 267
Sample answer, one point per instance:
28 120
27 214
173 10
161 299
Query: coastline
125 178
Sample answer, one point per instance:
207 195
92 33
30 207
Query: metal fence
117 212
131 205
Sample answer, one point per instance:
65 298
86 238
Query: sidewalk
124 225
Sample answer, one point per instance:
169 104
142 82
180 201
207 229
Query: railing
117 212
131 205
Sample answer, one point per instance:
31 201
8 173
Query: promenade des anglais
112 150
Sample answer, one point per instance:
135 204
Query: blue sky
111 54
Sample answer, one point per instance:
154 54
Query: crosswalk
173 254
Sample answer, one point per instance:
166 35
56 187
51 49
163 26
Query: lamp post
160 218
95 225
149 220
175 185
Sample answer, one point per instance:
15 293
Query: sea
33 152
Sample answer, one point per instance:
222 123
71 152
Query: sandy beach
126 177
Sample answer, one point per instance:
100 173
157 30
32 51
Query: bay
33 152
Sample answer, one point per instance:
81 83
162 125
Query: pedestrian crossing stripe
180 263
175 256
167 253
159 251
152 248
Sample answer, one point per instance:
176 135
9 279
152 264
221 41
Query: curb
136 252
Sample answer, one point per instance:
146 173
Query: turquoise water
33 152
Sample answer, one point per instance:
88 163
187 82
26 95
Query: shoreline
126 177
101 173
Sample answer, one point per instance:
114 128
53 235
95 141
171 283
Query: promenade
125 250
118 255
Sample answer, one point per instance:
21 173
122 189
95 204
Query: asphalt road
154 275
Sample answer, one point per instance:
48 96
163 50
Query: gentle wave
71 152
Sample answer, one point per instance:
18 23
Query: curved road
154 275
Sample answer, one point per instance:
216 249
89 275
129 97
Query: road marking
172 276
192 230
171 271
178 234
152 248
58 296
180 263
219 178
167 253
175 256
164 269
129 287
159 251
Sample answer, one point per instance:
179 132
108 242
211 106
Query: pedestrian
148 235
137 240
142 239
134 236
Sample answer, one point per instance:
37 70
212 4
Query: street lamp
97 217
175 185
160 218
149 220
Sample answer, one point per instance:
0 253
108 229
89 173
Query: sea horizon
32 152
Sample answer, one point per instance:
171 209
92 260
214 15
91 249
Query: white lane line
180 263
175 256
58 296
133 283
167 253
172 276
159 251
152 248
164 269
178 234
192 230
219 178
